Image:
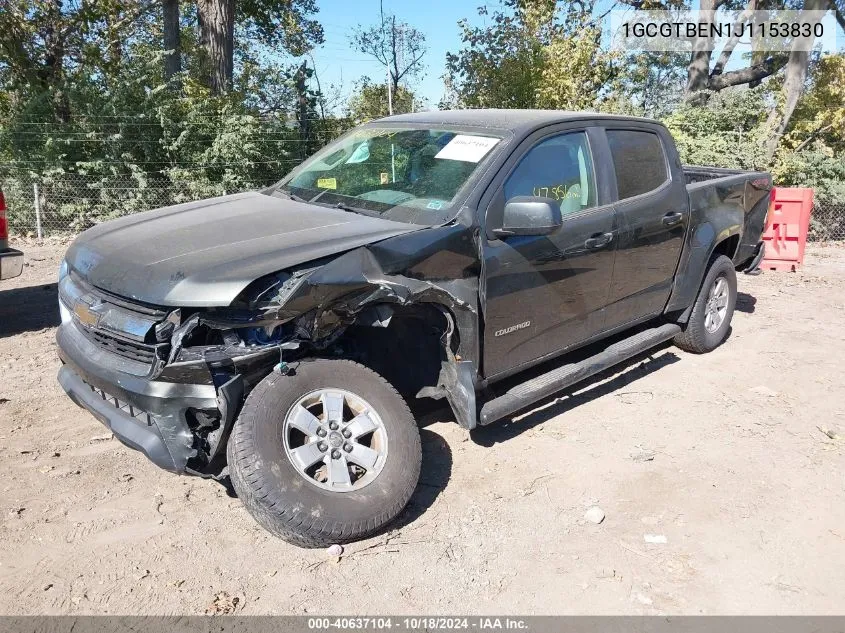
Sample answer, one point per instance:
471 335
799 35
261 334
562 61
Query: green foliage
820 114
105 134
646 84
281 24
532 54
370 101
819 168
731 128
725 132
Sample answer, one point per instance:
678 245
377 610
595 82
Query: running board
529 392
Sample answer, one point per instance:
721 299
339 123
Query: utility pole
387 65
389 94
301 87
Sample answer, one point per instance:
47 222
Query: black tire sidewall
721 267
280 490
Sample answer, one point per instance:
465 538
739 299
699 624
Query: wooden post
37 210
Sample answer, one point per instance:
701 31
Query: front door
546 293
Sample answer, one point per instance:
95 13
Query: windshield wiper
340 205
345 207
289 195
318 196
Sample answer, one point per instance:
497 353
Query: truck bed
695 174
731 193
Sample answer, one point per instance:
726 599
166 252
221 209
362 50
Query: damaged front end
127 363
170 382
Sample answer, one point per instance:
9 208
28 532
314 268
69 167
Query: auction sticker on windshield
465 147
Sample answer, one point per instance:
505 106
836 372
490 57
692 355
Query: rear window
638 160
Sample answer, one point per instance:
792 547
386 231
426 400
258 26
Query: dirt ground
747 490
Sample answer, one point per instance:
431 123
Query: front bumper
11 263
147 415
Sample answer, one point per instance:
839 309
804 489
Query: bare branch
813 136
838 7
746 75
734 39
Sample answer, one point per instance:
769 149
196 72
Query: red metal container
785 234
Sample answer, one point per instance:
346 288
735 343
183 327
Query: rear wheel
329 453
711 314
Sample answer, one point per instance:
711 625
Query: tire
277 493
696 336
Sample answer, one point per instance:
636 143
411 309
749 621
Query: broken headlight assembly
273 291
259 317
266 335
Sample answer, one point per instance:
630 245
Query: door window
560 168
638 160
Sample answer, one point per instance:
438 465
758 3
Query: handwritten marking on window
559 192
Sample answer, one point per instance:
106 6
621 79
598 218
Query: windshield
406 174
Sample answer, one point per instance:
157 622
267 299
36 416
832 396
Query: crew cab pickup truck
279 336
11 260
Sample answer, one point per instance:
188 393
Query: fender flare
702 242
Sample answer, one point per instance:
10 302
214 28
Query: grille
114 315
132 350
141 416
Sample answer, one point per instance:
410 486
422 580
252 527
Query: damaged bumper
147 415
756 258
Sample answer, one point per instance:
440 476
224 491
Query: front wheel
711 315
329 453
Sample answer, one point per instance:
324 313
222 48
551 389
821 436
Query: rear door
546 293
653 214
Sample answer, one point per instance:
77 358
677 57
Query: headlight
64 312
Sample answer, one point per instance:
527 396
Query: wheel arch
705 241
436 336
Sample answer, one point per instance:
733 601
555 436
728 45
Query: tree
397 45
216 22
172 39
793 84
819 116
37 38
725 131
86 88
369 101
534 54
704 75
811 149
646 84
277 23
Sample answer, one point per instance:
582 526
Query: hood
204 253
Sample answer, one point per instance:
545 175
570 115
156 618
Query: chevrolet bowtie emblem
86 315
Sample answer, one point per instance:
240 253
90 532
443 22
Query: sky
337 63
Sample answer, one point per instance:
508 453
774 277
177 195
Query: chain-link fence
70 203
827 223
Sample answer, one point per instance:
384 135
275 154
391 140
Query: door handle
599 240
673 217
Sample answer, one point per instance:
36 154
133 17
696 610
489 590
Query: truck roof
512 120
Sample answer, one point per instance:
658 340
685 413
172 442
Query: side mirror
529 215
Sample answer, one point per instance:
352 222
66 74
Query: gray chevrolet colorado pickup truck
278 336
